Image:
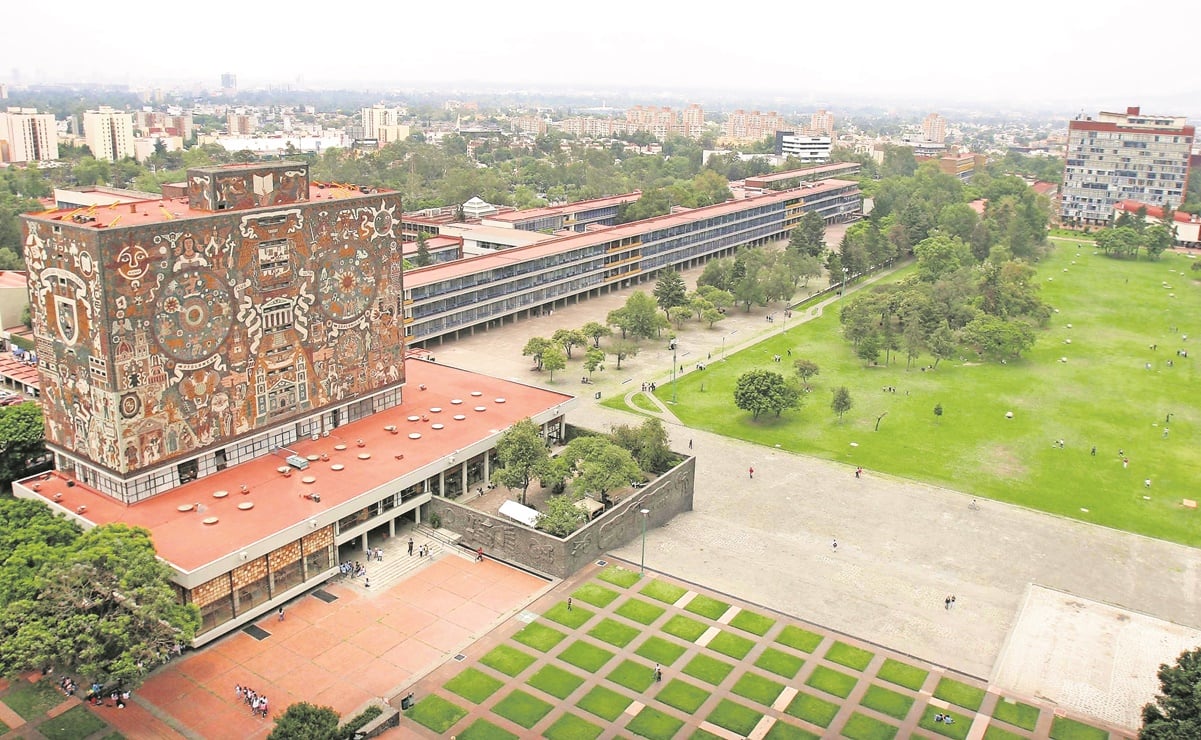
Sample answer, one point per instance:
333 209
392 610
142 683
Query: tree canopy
305 721
1176 711
521 453
759 391
22 439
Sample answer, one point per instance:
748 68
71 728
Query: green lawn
522 708
728 643
685 628
594 594
968 697
812 709
800 639
735 717
482 729
508 660
571 727
903 674
604 703
668 593
640 611
635 676
660 650
682 695
710 670
779 662
642 402
707 607
863 727
436 713
618 576
997 733
1117 309
653 724
957 729
1016 713
756 624
614 632
573 617
539 636
782 730
887 701
585 655
832 682
473 685
849 656
757 688
1063 728
555 681
72 724
32 700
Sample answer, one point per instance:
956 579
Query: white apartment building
384 124
803 147
27 136
108 133
934 128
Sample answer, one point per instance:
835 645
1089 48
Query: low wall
507 540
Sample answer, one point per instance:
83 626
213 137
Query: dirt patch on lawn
1004 461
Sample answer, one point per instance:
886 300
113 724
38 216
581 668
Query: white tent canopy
520 513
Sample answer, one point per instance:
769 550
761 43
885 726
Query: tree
868 349
304 721
1176 711
648 444
678 315
806 369
561 516
808 238
521 455
569 339
1157 239
593 359
670 291
942 344
758 391
842 402
639 317
600 465
997 337
423 257
536 347
595 330
623 349
22 439
553 359
711 316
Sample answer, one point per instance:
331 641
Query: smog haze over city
1023 55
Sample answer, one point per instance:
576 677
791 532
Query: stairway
397 564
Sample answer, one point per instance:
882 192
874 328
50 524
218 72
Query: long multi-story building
27 136
459 297
108 133
805 147
934 128
753 126
150 123
1124 156
822 122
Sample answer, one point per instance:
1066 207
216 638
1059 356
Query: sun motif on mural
383 220
194 315
347 279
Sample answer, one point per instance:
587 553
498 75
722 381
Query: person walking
834 545
751 473
479 554
410 547
281 614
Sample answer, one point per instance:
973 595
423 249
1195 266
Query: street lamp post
674 345
644 513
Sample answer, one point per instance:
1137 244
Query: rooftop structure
793 178
576 216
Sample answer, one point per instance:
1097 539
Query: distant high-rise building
822 122
27 136
1124 156
934 128
384 124
108 133
229 82
149 123
806 148
3 91
241 123
743 126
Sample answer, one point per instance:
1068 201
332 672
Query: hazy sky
1015 53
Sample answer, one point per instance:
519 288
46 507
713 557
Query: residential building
934 128
149 123
383 124
804 147
1123 156
741 126
144 147
963 166
1185 226
241 122
108 133
535 125
229 83
822 122
28 136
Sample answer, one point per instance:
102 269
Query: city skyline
939 52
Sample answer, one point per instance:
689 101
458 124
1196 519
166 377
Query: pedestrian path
398 562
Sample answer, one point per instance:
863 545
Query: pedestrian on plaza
834 545
479 554
410 547
751 472
690 444
281 614
952 599
568 603
858 472
237 691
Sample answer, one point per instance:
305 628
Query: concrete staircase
397 563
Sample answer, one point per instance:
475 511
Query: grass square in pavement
655 725
669 593
705 735
812 709
614 632
522 708
571 727
799 639
863 727
735 717
682 695
473 685
849 656
957 729
1063 728
507 659
997 733
32 700
604 703
685 628
595 594
660 650
887 701
728 643
618 576
707 669
707 606
539 636
555 681
957 692
482 729
782 730
585 655
637 610
72 724
436 713
832 682
1016 713
758 688
573 617
779 662
633 675
748 621
902 674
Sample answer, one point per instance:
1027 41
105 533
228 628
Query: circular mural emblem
383 223
130 405
346 283
194 315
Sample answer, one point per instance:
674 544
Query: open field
1103 395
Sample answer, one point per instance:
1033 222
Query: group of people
67 685
376 554
354 570
257 704
95 695
944 718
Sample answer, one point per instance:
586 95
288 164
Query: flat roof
184 540
501 258
529 214
142 212
803 172
495 234
22 372
14 279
